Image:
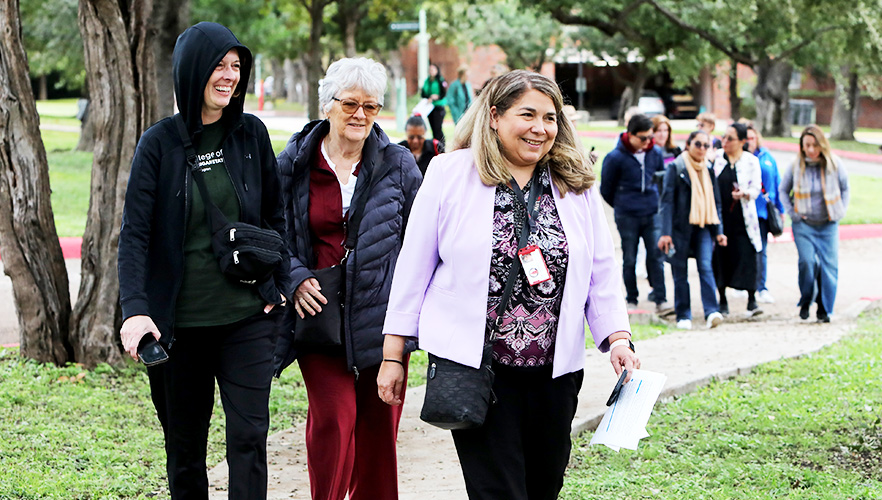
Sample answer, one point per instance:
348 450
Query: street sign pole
423 53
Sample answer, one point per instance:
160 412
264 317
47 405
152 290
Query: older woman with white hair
349 192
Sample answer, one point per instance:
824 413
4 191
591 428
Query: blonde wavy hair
570 169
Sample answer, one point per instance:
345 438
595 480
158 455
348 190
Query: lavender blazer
441 281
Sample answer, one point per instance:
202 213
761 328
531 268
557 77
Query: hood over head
197 51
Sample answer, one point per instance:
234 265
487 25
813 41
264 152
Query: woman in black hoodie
171 286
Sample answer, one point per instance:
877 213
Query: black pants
436 121
240 357
521 451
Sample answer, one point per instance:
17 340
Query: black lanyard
535 189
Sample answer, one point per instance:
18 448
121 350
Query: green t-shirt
433 87
206 297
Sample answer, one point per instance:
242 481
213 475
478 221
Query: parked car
650 104
680 104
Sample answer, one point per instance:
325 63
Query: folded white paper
624 423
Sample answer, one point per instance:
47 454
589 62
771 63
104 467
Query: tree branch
807 40
714 41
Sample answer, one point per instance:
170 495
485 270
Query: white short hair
356 73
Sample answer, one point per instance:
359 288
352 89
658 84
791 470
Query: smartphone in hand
150 351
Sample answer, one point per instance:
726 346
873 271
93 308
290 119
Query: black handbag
776 220
459 396
246 254
325 329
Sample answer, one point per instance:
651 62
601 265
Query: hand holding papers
624 422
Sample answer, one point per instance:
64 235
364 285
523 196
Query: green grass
864 205
809 428
856 146
68 433
58 108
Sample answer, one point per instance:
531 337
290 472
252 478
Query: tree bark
772 97
734 98
314 68
279 91
44 88
119 56
846 102
32 257
171 18
632 93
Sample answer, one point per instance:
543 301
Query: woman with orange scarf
690 218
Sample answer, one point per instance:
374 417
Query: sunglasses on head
351 106
701 145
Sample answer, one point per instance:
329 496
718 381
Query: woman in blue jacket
690 220
771 179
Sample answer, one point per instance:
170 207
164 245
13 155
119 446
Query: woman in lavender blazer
460 243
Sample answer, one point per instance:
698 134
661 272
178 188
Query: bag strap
535 188
216 218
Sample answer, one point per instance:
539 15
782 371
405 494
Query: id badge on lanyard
532 261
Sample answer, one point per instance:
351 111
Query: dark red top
326 213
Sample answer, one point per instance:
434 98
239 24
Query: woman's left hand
622 357
737 194
269 307
390 382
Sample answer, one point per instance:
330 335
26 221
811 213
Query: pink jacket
441 280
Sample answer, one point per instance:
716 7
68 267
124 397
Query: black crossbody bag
325 329
246 254
459 396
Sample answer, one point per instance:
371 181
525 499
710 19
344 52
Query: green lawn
809 428
68 433
65 108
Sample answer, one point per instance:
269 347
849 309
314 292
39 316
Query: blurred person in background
628 186
435 90
770 182
814 191
690 223
460 94
423 151
663 135
739 179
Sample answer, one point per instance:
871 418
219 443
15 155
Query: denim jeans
631 230
762 259
818 248
703 246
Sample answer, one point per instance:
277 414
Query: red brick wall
478 59
869 113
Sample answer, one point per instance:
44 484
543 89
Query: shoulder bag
246 254
776 221
325 329
459 396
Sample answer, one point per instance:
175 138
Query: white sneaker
664 308
765 297
684 324
739 294
714 320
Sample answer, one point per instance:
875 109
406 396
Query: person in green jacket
435 89
460 95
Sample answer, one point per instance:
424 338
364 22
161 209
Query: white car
651 103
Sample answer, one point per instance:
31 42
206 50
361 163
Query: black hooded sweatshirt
160 188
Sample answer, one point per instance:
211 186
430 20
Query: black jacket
676 202
626 185
370 265
157 204
431 149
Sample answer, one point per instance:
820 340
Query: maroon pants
350 432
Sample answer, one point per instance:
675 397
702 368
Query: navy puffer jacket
369 267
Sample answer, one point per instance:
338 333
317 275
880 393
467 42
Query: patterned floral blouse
529 325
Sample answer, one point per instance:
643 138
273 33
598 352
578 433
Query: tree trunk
846 102
314 68
171 18
772 97
734 98
279 90
44 88
32 257
119 56
632 93
291 80
396 71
